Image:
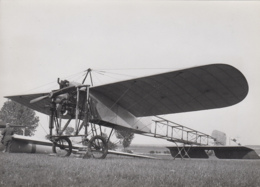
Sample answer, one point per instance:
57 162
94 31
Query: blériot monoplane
122 106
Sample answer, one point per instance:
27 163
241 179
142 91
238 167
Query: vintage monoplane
123 106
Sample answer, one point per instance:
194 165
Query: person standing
7 137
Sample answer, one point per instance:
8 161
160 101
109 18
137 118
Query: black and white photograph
129 93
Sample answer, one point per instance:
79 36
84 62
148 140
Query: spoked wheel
62 147
98 147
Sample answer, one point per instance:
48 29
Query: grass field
44 170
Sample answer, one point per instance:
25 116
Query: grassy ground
44 170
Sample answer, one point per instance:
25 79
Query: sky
46 39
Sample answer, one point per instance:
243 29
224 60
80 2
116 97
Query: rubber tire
105 146
54 145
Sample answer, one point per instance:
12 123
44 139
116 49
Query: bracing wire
115 73
53 82
75 74
120 69
96 77
40 86
121 96
108 76
75 77
43 128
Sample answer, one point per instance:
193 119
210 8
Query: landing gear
98 147
74 102
62 147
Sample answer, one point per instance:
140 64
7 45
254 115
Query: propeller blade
54 94
62 91
39 99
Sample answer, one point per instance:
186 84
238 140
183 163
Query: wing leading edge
199 88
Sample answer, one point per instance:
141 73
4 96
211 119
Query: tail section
220 137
